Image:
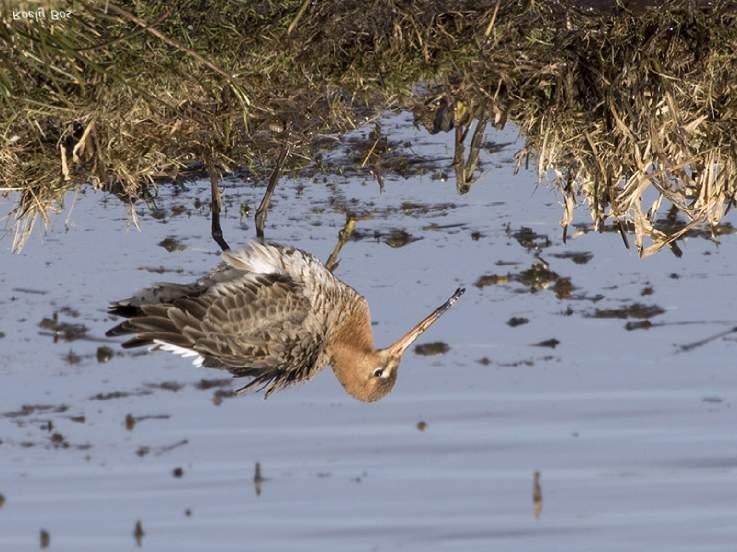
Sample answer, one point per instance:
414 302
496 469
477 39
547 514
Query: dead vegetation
628 111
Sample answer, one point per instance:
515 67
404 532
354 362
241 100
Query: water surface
633 439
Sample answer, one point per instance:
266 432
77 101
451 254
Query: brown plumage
272 313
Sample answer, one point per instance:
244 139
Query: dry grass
614 106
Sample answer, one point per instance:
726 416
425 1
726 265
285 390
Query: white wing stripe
177 350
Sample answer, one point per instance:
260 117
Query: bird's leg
343 236
273 179
215 205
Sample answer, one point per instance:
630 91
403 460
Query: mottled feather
271 313
257 314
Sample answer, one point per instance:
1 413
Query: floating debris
359 478
172 244
110 395
529 239
399 238
422 425
120 395
143 451
434 348
30 291
537 277
517 321
706 340
161 269
484 361
257 478
635 310
205 384
410 207
63 330
131 421
69 311
491 280
172 386
72 358
28 409
552 343
138 533
220 394
434 226
104 354
563 288
158 451
638 325
245 210
647 290
157 213
537 495
395 237
517 363
578 257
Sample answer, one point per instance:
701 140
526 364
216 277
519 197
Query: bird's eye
378 372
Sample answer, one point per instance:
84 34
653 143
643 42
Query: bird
272 313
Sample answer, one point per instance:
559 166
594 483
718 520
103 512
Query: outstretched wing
259 325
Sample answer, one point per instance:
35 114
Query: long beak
405 341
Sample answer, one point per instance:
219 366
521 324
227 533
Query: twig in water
273 180
701 342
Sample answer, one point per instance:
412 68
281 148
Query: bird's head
372 375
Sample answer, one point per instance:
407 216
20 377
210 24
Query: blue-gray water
635 441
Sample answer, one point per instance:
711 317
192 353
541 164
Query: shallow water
633 438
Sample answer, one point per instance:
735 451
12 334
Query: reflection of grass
124 93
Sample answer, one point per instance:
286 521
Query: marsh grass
613 106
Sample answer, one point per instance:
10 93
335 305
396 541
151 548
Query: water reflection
44 539
537 495
258 479
138 533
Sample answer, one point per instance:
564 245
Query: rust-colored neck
352 334
352 353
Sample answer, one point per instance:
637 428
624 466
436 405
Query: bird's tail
146 311
159 294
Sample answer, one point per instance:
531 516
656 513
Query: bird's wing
261 325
